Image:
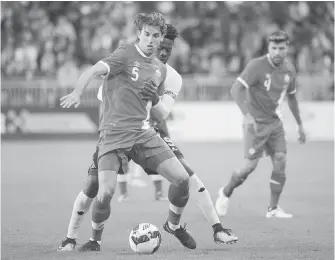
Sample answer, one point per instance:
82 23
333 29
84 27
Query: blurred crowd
59 39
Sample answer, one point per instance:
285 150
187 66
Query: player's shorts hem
154 161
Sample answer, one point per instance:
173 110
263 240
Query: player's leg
276 148
81 206
178 196
254 143
109 165
157 156
122 180
157 180
204 201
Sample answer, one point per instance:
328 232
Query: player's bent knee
182 182
279 160
91 186
105 195
249 167
107 184
174 171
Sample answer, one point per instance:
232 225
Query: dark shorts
269 138
146 152
172 146
93 169
169 142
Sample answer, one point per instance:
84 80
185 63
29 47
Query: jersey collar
142 53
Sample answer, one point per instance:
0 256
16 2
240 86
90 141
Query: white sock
204 201
122 177
178 211
172 226
81 204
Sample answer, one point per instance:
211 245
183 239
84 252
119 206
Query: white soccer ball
145 238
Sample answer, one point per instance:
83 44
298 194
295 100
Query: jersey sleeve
172 86
248 77
115 62
292 88
173 83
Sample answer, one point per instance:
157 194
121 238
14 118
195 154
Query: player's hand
70 100
249 120
149 92
302 135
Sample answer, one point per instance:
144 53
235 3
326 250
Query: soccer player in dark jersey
172 87
124 128
259 92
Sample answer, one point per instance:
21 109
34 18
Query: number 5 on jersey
135 73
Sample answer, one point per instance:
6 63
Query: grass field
41 179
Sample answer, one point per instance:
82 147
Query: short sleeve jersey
128 69
267 86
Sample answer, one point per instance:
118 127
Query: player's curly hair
171 32
153 19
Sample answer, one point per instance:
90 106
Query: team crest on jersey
287 78
136 64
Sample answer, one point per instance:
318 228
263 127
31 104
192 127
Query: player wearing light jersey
172 87
259 92
130 72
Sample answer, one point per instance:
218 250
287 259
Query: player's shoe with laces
91 245
160 196
182 235
224 236
68 244
123 198
222 203
277 213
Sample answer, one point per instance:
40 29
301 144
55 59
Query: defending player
124 129
172 87
259 92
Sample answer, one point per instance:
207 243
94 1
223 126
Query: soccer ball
145 238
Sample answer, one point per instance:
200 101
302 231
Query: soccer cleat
123 198
277 213
91 245
68 244
222 203
182 235
224 236
160 196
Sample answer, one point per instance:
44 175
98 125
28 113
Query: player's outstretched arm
96 70
294 107
85 78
